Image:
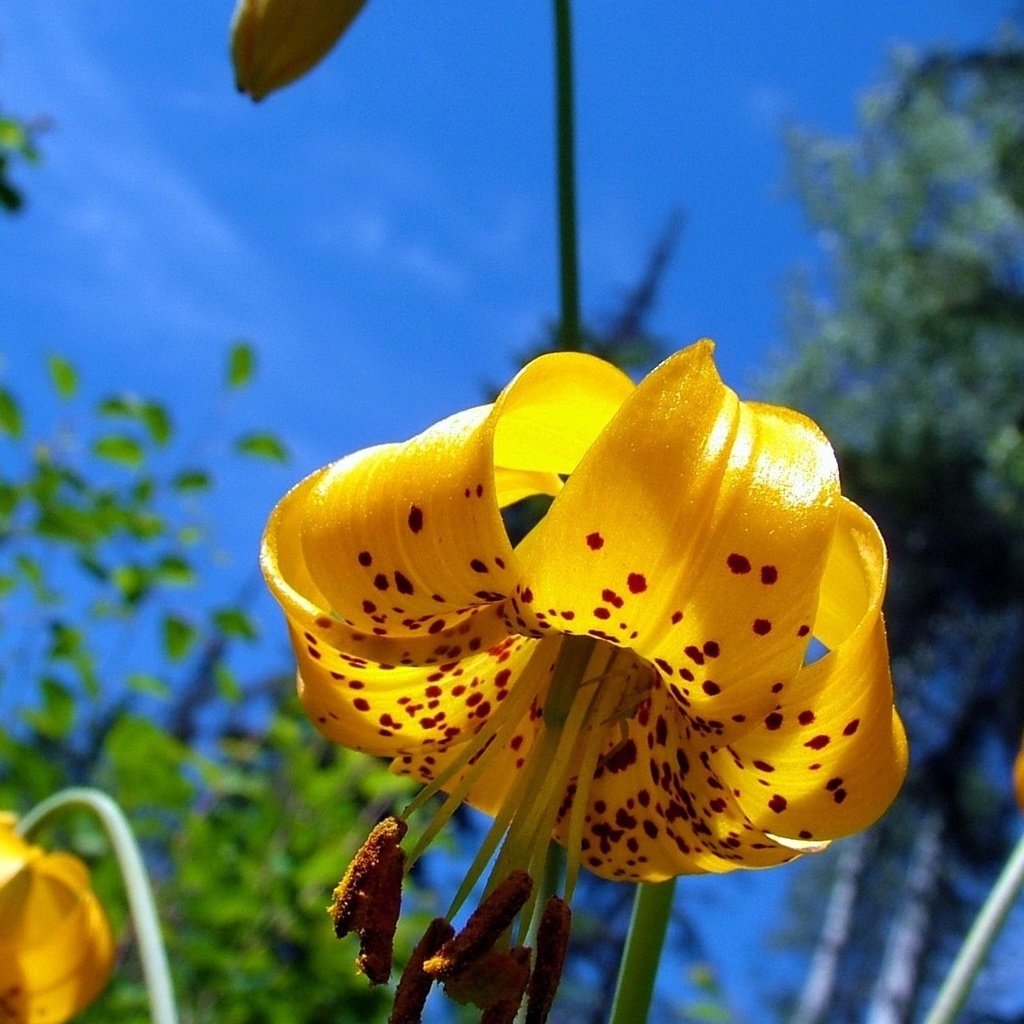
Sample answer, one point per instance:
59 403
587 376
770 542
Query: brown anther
505 1010
367 900
414 985
485 924
552 943
492 978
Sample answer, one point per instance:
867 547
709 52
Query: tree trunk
893 997
820 984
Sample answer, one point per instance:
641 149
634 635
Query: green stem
958 983
570 334
155 971
634 988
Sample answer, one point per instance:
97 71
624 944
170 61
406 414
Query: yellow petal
1018 777
396 559
56 949
831 755
657 809
274 42
694 531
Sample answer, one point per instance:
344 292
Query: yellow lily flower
1018 776
274 42
56 950
632 677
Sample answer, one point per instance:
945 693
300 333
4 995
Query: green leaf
175 571
63 376
227 683
119 448
179 637
10 414
151 415
143 682
56 715
241 364
132 581
262 446
234 622
157 421
191 480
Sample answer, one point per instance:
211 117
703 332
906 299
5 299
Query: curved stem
155 971
957 986
634 988
570 335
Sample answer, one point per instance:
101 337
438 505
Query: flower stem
570 335
634 988
155 971
958 983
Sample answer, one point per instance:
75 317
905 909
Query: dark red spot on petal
595 541
415 519
637 582
477 566
773 721
365 558
361 704
738 564
761 627
602 613
677 617
711 688
402 583
711 649
803 630
851 727
380 581
778 803
818 742
805 717
769 574
369 607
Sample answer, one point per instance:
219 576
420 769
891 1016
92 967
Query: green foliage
17 144
121 666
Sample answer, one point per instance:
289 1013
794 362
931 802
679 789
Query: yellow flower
1018 776
56 950
633 676
274 42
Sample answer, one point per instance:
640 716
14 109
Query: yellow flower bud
56 950
274 42
1018 777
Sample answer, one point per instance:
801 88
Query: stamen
485 924
496 730
414 985
552 944
368 898
493 979
504 1012
587 770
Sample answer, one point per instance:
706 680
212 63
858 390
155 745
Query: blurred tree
910 354
120 646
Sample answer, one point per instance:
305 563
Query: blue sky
383 230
